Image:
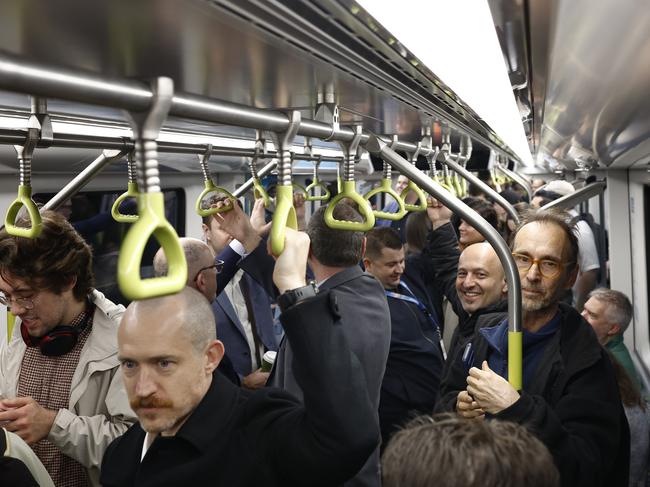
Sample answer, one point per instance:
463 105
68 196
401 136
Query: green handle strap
317 184
515 350
24 198
385 187
151 208
131 192
210 188
349 191
422 197
283 217
260 193
458 186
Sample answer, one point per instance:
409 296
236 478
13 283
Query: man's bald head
187 310
199 256
481 281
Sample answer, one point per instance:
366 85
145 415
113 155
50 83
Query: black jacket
572 405
267 437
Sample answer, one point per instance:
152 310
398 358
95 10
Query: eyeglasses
218 266
27 303
547 267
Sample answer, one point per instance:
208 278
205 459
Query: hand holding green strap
152 221
349 191
210 187
260 193
283 217
386 188
131 192
24 198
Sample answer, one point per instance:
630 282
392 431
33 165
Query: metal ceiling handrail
378 147
448 159
583 194
517 178
21 76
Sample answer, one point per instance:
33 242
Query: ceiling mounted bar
22 76
448 160
380 148
579 196
516 178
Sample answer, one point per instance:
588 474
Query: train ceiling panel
583 68
277 54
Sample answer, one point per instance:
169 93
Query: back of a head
51 260
449 451
417 227
332 247
380 238
197 253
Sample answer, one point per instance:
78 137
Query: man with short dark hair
448 451
416 357
58 371
570 398
609 313
333 258
196 428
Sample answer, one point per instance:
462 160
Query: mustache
150 402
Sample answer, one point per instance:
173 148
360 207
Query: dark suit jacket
231 332
366 324
241 438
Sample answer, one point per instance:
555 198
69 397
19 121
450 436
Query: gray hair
619 309
195 251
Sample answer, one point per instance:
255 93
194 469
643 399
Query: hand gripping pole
351 152
151 207
205 206
285 214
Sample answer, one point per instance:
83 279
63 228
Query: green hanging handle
386 188
316 183
131 192
259 192
365 210
422 197
152 221
24 198
458 187
151 207
285 213
283 217
210 187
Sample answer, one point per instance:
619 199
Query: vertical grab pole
151 207
515 334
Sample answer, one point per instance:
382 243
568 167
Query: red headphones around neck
58 341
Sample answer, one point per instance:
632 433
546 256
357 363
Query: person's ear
573 275
504 289
213 356
614 330
367 264
206 232
72 282
363 248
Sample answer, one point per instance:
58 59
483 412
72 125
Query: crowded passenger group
350 359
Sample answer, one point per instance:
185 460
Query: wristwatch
294 296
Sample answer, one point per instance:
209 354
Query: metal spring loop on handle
260 152
316 183
285 214
422 198
151 207
386 187
209 187
131 192
351 152
24 197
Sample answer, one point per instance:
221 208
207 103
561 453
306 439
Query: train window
90 214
